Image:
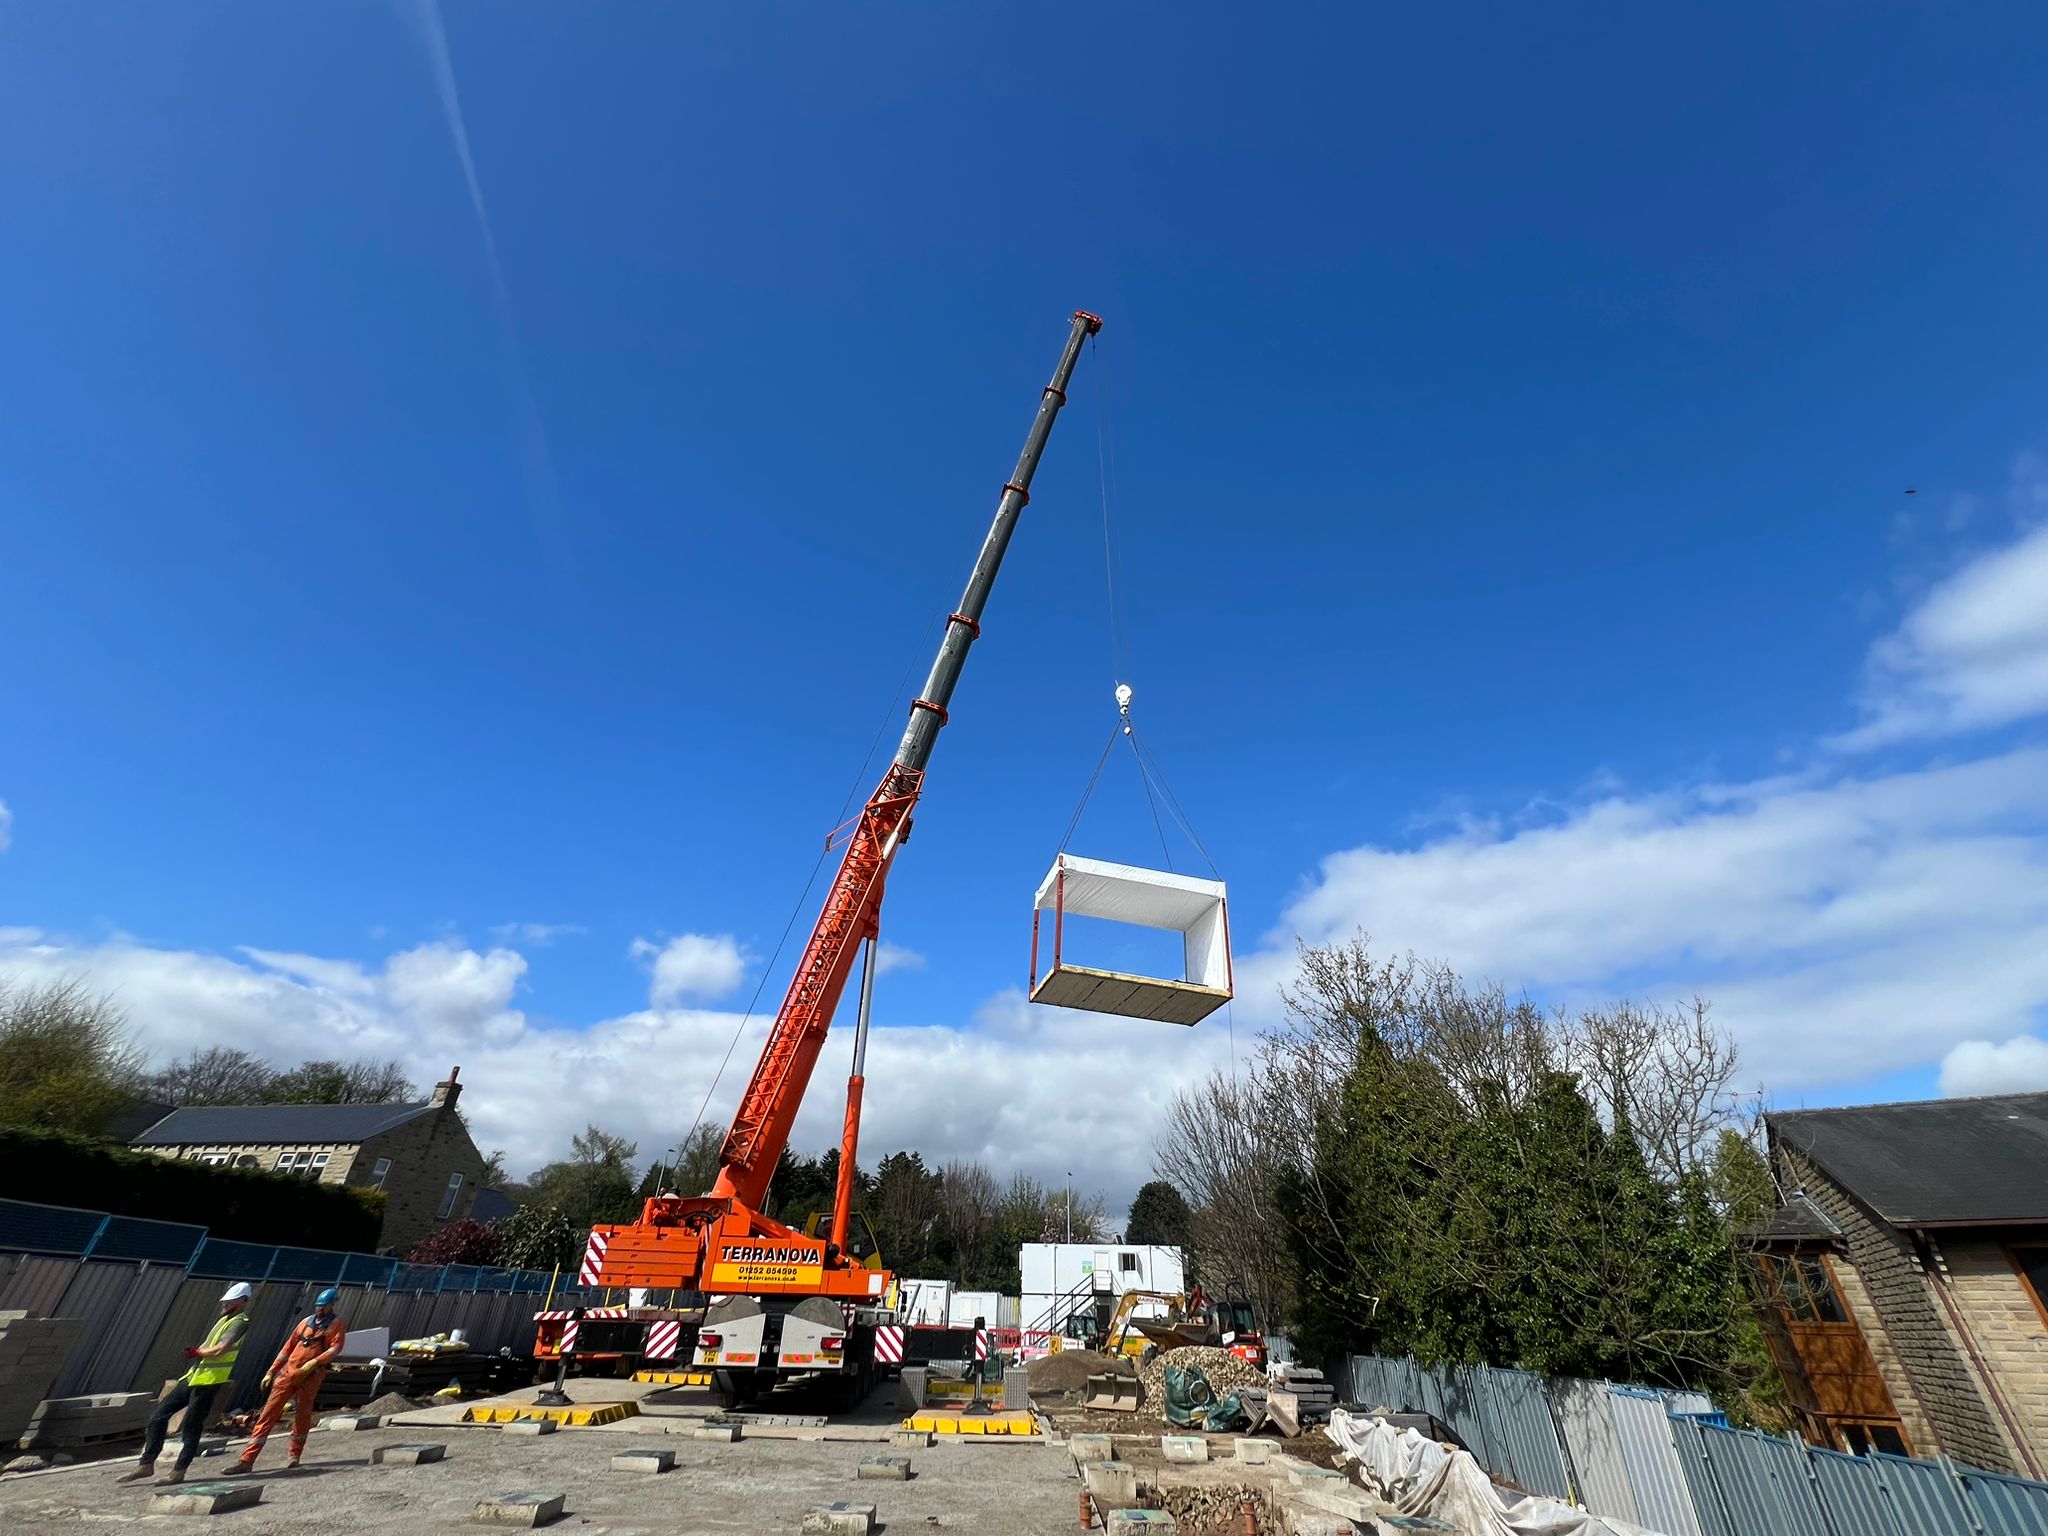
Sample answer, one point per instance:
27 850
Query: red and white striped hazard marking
662 1339
593 1259
981 1343
889 1344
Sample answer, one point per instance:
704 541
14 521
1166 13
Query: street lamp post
1070 1205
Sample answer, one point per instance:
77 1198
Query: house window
1802 1288
319 1165
284 1163
213 1159
1127 1263
380 1172
448 1200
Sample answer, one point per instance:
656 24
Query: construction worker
213 1363
294 1377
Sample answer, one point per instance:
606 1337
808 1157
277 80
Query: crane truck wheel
738 1388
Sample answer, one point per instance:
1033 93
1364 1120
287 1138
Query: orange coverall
295 1378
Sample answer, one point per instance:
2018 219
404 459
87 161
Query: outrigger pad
1124 893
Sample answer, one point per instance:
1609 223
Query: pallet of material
68 1422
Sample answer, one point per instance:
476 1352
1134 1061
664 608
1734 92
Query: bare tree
1670 1072
218 1074
969 1199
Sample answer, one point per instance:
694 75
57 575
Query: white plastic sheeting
1420 1477
1124 893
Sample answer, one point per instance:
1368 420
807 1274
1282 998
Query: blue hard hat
327 1298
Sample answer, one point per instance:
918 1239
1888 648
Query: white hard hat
239 1291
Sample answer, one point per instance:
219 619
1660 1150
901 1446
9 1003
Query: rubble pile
1226 1373
1216 1509
1068 1371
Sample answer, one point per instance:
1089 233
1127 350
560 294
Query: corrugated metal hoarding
2008 1506
94 1297
133 1328
1855 1496
1926 1497
1599 1476
1663 1499
33 1283
1526 1431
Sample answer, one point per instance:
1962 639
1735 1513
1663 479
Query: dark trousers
197 1403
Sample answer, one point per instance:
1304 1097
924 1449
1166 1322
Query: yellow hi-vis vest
210 1372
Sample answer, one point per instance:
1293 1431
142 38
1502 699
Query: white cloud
698 967
895 957
535 935
1973 652
1977 1067
6 825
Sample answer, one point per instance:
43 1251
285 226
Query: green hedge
240 1203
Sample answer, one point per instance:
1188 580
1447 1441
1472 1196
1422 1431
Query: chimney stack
445 1094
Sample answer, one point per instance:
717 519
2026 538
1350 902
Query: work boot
293 1464
240 1469
147 1469
175 1475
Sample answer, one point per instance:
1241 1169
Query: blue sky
430 603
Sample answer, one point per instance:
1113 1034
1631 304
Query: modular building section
1124 893
1061 1279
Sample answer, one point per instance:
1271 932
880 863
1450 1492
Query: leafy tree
1160 1215
338 1082
906 1210
493 1176
692 1167
66 1061
460 1242
594 1185
541 1237
217 1074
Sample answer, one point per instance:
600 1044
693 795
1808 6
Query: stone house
1903 1284
419 1155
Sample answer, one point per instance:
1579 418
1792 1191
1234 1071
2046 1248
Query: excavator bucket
1112 1391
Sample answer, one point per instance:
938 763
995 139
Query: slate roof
277 1125
1798 1220
1941 1162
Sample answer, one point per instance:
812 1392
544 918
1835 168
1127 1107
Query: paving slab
1111 1484
407 1455
531 1427
521 1509
1306 1476
1140 1522
1092 1447
1253 1453
912 1439
839 1519
352 1421
1184 1448
725 1434
205 1498
883 1469
643 1461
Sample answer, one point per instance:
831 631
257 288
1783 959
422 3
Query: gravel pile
389 1403
1216 1509
1226 1373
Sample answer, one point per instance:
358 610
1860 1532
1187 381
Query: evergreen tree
1159 1215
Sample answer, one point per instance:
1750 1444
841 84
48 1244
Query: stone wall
425 1153
1942 1382
1885 1356
2006 1328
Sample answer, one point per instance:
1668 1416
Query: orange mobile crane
782 1302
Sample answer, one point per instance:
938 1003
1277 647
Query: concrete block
407 1455
1110 1483
839 1519
1284 1409
883 1469
1306 1476
532 1427
911 1439
1253 1453
1140 1522
351 1421
1184 1448
523 1509
1092 1448
1313 1522
644 1461
725 1434
205 1498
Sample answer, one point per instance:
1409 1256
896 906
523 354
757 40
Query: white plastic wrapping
1124 893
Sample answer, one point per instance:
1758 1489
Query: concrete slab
1140 1522
521 1509
1092 1447
883 1469
1110 1483
407 1455
643 1461
205 1498
1302 1475
724 1434
839 1519
351 1421
1252 1453
911 1439
1184 1448
531 1427
1309 1522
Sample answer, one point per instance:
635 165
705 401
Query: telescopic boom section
760 1129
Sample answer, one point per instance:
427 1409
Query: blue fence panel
1645 1430
1927 1499
1526 1433
29 1228
1784 1460
220 1259
366 1269
497 1280
160 1242
416 1277
1855 1497
1708 1505
459 1277
308 1265
1461 1389
2007 1506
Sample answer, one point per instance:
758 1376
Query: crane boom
767 1110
